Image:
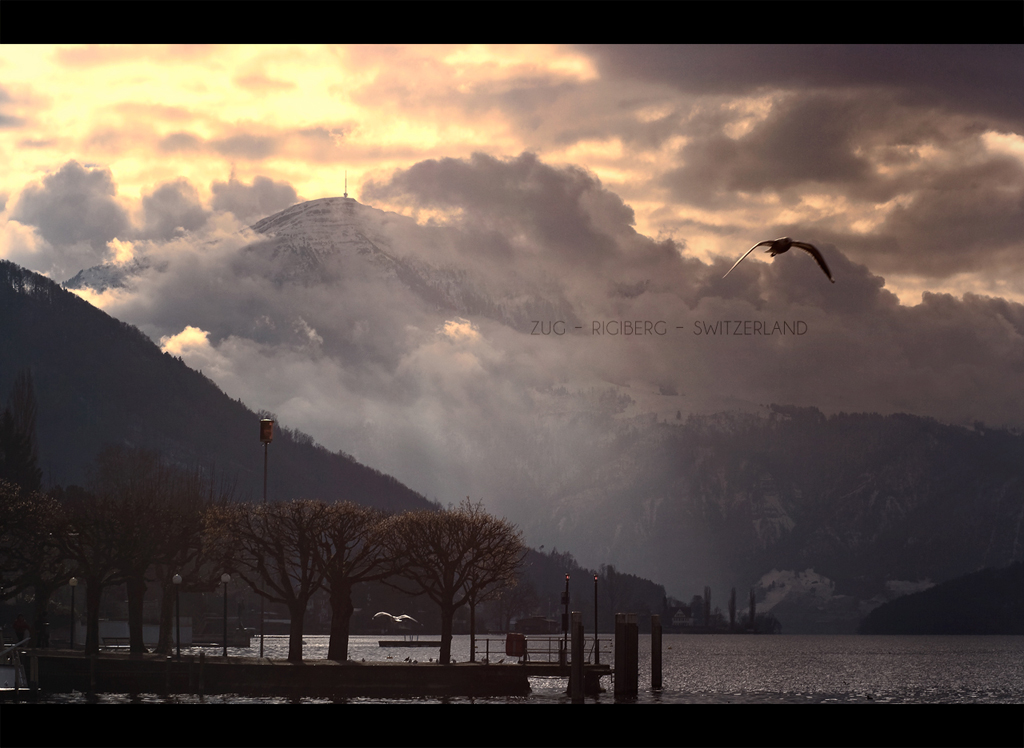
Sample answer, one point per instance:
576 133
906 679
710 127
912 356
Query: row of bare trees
141 521
287 551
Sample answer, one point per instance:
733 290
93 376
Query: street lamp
177 610
597 644
74 583
266 436
565 623
225 578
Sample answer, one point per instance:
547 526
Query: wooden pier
64 671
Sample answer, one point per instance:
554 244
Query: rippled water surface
733 669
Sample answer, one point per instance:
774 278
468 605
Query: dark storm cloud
74 205
802 140
555 208
171 208
971 79
968 217
262 198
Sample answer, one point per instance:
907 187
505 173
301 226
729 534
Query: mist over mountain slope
99 381
523 345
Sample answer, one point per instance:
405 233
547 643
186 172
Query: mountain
990 601
98 380
826 517
649 452
321 241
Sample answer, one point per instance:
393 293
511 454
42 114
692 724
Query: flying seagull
778 246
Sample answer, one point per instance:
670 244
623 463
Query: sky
613 183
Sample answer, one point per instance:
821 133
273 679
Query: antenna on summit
346 184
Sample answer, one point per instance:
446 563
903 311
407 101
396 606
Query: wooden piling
656 652
576 671
627 666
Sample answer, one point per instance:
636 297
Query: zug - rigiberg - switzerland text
645 327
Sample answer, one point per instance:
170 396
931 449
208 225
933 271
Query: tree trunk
136 585
447 616
41 601
165 642
298 615
341 619
472 629
93 593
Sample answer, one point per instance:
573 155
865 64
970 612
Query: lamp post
225 578
565 623
177 611
597 644
74 583
266 436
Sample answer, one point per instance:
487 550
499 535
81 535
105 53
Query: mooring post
33 672
92 673
627 666
202 664
656 651
576 671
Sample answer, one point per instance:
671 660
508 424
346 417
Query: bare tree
193 492
276 549
31 555
732 609
452 556
511 602
353 552
135 486
91 539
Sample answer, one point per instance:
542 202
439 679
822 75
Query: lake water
709 669
701 674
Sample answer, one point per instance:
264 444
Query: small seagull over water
778 246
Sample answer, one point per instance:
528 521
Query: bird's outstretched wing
745 254
817 257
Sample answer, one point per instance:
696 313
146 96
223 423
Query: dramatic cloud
74 205
171 209
529 206
75 211
497 354
262 198
961 78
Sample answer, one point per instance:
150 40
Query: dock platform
65 671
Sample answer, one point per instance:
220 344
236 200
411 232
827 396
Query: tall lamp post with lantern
225 578
74 583
177 610
266 436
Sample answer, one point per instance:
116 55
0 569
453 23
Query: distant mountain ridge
864 503
990 601
98 381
